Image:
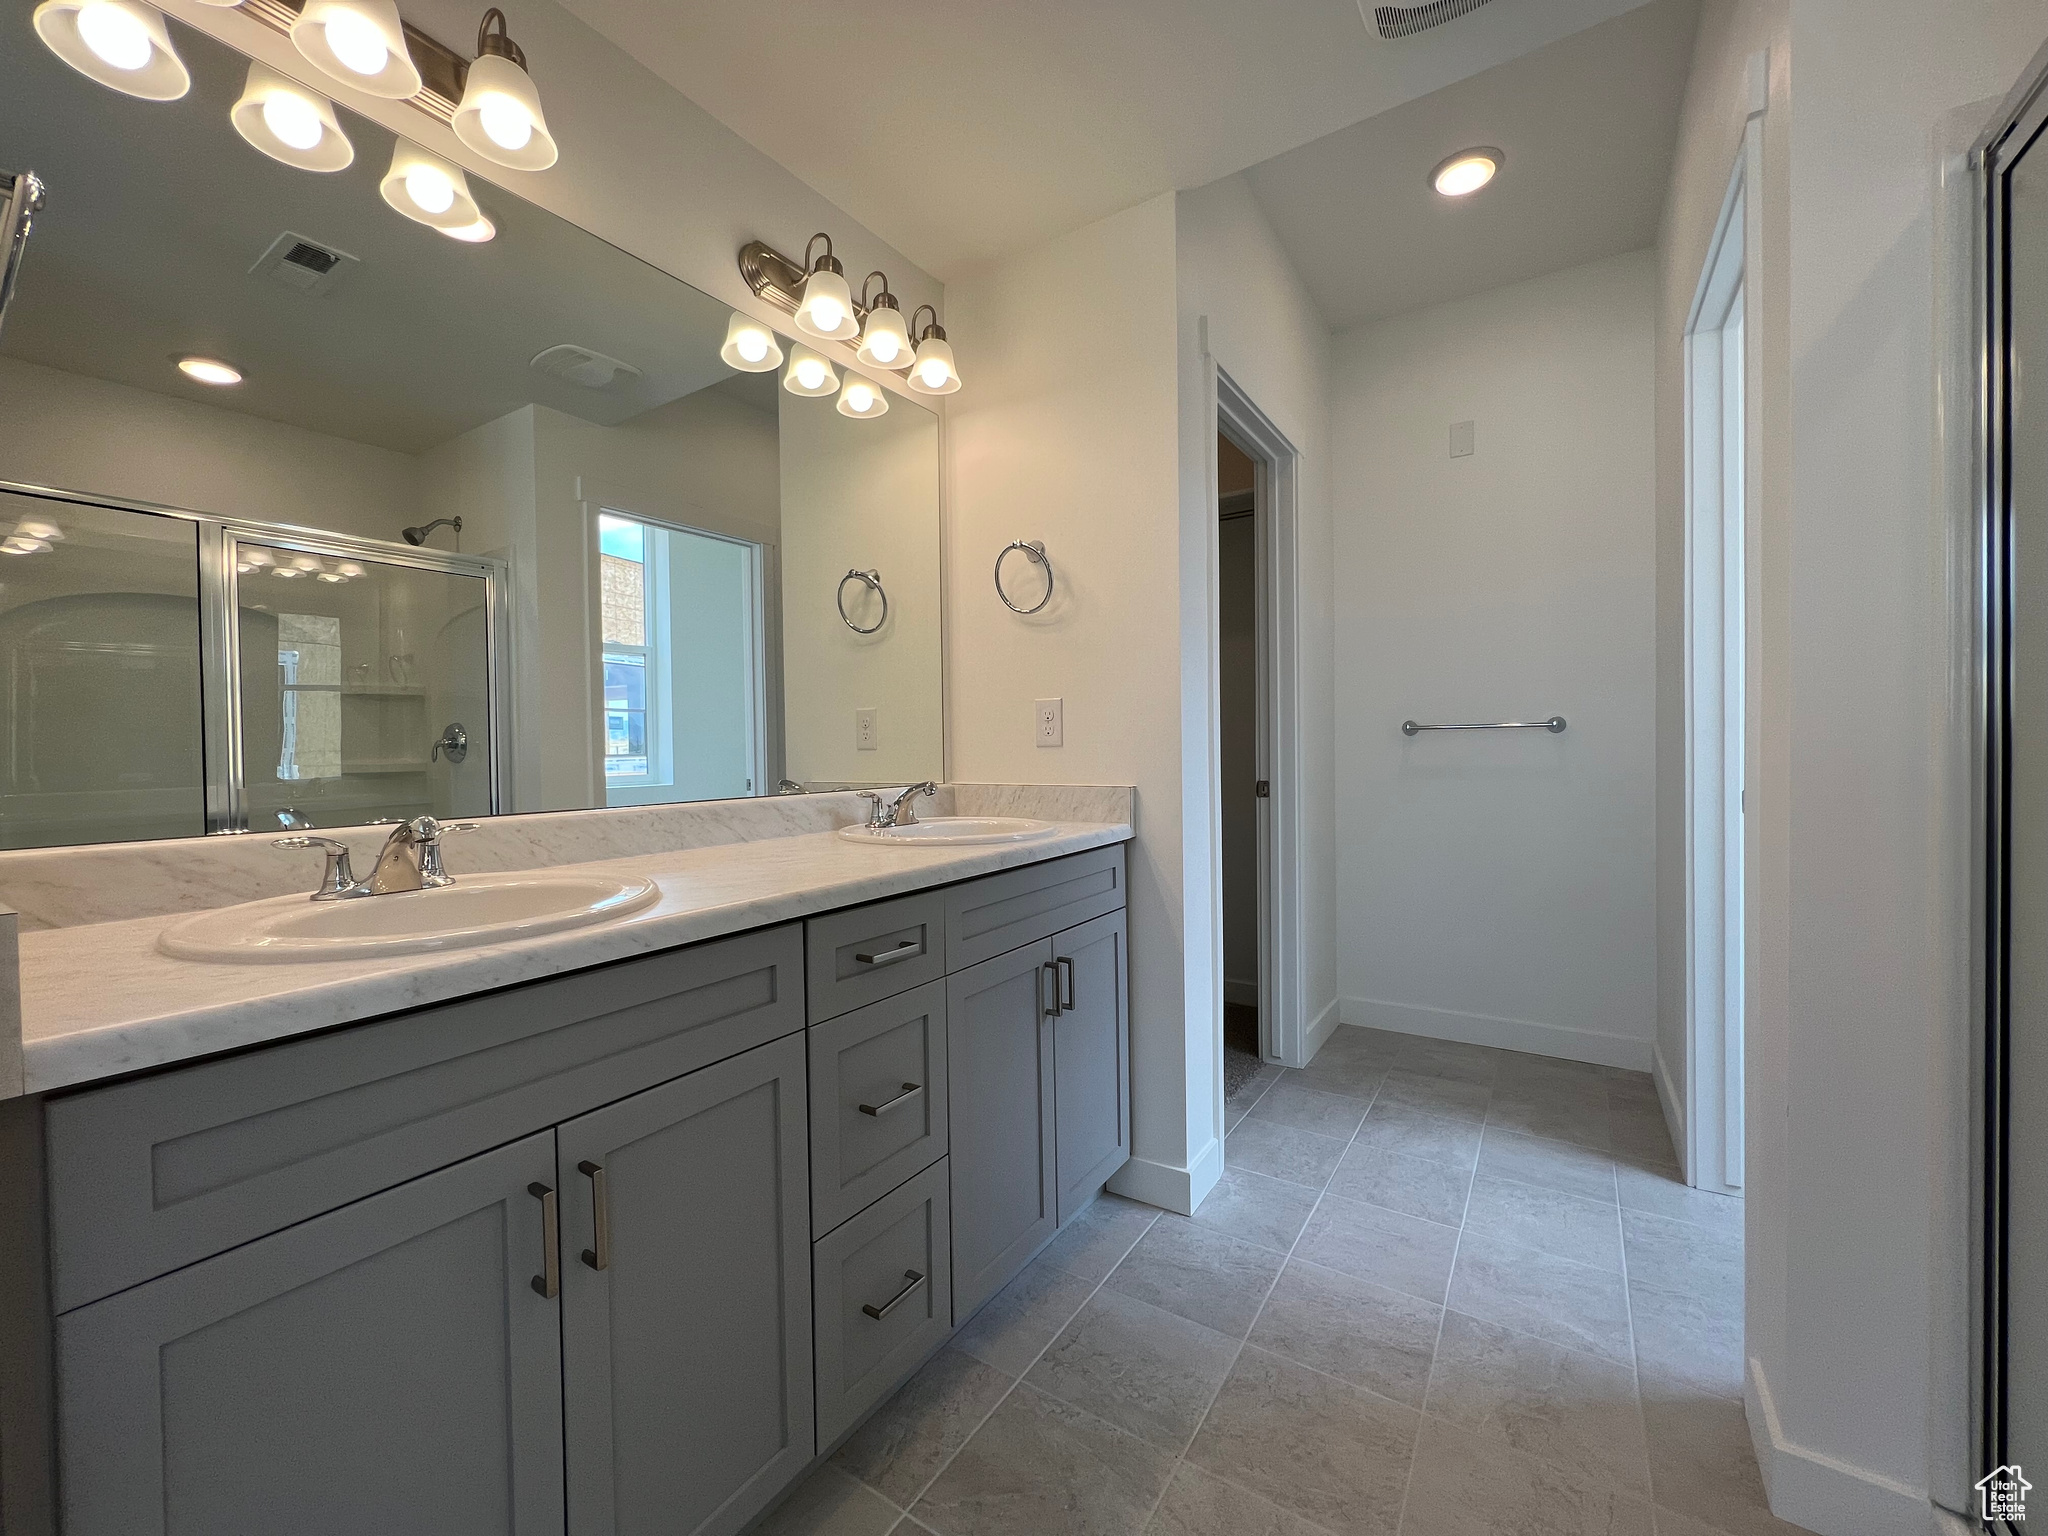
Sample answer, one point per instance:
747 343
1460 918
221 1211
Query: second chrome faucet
410 860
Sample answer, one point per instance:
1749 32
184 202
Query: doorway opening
1718 632
1246 1025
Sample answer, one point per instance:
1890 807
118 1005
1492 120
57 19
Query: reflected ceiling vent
580 365
305 266
1406 20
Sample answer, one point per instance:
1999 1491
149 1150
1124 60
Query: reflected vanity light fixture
826 308
1467 171
884 339
474 234
933 373
209 370
290 123
360 43
500 116
862 397
750 346
808 373
123 44
782 282
428 190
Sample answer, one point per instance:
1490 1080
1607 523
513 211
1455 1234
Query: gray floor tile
1559 1118
1465 1484
1398 1128
1281 1152
1142 1369
1522 1067
1333 1454
1558 1165
1449 1058
1310 1109
1566 1226
1536 1293
1414 1186
1370 1336
831 1502
1573 1410
1357 1076
1096 1240
1024 1317
910 1437
1642 1136
1660 1194
1449 1097
1703 1465
1205 1276
1686 1344
1678 1256
1269 1212
1040 1466
1402 1253
1197 1504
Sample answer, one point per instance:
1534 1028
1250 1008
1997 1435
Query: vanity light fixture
474 234
826 308
1467 171
210 370
750 346
884 339
290 123
21 544
933 373
360 43
123 44
428 190
500 116
862 397
809 374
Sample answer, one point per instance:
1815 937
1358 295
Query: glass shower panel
101 722
364 688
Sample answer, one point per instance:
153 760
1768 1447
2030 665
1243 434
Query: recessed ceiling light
1467 171
209 370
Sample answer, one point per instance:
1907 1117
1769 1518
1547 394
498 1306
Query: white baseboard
1168 1187
1588 1045
1827 1496
1673 1104
1320 1028
1244 992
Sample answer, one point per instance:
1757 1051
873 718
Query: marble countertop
99 1000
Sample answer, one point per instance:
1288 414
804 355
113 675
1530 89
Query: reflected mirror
480 525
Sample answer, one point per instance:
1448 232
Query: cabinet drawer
998 913
884 1284
149 1175
864 955
878 1100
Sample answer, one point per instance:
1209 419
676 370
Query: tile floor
1441 1290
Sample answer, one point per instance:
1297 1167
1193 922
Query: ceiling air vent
1406 20
305 266
580 365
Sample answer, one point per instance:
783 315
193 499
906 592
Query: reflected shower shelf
385 765
382 691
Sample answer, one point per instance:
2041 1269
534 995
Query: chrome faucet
899 811
409 861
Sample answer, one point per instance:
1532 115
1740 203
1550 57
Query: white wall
1498 887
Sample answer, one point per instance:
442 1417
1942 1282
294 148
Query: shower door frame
219 631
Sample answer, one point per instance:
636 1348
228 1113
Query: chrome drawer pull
910 1091
549 1281
902 951
599 1257
911 1281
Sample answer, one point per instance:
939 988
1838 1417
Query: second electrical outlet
1051 727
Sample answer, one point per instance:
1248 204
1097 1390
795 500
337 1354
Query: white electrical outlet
1050 716
866 735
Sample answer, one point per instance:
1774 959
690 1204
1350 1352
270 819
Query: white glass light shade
933 373
750 346
210 370
428 190
290 123
479 233
1466 172
360 43
863 398
884 339
36 528
122 44
827 308
809 374
500 116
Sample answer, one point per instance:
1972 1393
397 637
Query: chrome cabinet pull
1051 971
910 1091
902 951
1066 977
599 1257
911 1281
549 1281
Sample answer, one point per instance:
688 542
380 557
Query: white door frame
1722 543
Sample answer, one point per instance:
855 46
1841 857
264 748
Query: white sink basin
948 831
477 909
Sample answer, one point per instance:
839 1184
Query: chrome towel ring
872 580
1034 551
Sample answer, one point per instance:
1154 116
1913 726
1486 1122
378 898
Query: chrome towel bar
1553 725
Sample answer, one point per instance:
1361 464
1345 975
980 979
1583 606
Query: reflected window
309 681
626 593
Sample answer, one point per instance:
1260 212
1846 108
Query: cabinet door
388 1367
1091 1059
686 1293
999 1058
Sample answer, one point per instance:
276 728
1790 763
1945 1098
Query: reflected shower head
419 535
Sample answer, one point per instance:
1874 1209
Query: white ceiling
960 130
1588 126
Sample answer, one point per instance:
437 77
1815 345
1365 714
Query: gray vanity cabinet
1091 1052
686 1299
999 1047
386 1367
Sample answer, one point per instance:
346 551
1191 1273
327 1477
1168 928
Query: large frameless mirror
472 525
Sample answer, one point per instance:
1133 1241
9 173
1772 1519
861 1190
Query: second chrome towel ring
1034 550
872 580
